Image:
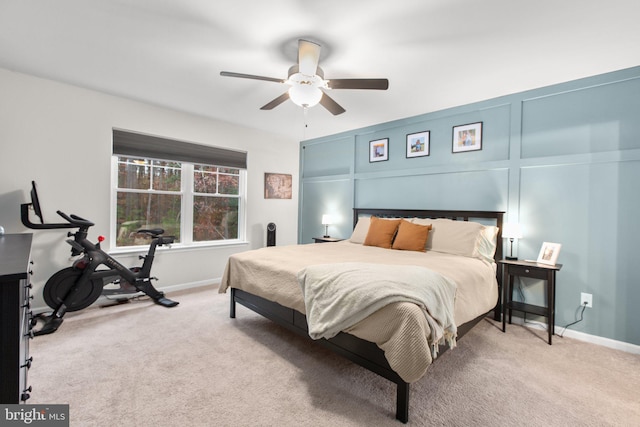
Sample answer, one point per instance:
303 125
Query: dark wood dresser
15 316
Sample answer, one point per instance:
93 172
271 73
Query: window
215 203
148 195
195 202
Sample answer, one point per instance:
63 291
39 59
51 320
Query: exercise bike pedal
165 302
51 324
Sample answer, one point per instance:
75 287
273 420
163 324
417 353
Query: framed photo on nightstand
549 253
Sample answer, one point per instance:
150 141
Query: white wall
60 136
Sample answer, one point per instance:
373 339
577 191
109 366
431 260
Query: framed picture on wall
467 137
379 150
549 253
277 186
418 144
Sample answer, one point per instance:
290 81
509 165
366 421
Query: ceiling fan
307 84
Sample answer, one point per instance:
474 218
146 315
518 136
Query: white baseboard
594 339
190 285
606 342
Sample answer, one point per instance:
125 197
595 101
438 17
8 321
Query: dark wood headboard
494 217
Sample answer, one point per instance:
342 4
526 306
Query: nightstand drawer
524 271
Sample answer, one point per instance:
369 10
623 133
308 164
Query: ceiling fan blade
308 57
250 76
279 100
379 84
327 102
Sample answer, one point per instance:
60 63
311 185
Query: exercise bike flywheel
59 285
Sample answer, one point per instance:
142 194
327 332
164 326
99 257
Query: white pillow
454 237
486 247
360 231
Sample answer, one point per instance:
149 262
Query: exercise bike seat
154 232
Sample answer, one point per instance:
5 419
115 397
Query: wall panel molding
563 160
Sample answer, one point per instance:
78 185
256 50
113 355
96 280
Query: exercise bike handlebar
26 221
76 220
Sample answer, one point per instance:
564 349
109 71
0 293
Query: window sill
179 247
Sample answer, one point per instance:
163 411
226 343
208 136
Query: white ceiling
435 53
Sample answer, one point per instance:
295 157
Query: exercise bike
77 287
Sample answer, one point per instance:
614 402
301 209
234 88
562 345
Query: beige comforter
400 329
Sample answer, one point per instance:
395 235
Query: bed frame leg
232 308
497 310
402 402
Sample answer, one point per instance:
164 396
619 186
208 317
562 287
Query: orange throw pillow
381 232
411 237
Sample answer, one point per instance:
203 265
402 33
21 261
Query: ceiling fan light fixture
305 95
307 83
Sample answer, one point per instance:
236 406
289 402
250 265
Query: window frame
187 193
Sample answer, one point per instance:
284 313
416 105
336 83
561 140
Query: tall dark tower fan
271 234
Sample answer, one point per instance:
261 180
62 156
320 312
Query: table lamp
511 231
326 221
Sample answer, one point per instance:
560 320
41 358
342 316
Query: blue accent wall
562 160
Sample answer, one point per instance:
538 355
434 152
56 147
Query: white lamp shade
326 219
511 230
305 95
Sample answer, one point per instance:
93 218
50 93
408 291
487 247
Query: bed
401 337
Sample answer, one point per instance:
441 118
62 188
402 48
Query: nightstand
326 239
533 270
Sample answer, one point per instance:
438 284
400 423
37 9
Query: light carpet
140 364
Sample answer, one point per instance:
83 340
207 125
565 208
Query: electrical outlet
588 298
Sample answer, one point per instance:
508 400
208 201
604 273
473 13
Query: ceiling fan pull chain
306 125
